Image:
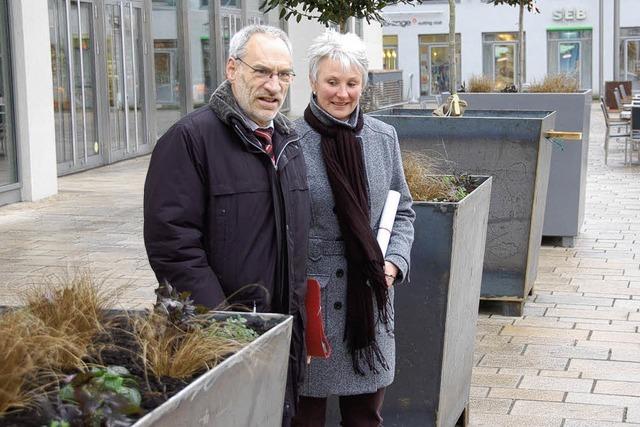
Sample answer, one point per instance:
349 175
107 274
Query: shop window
435 63
500 58
390 52
8 160
630 56
569 52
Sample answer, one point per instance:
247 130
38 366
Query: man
226 202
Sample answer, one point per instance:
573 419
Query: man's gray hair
238 43
348 49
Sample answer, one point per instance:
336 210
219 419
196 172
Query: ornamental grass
481 83
555 83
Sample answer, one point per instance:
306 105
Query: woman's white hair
348 49
238 43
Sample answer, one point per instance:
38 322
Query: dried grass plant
421 173
73 309
15 361
24 347
171 351
555 83
481 83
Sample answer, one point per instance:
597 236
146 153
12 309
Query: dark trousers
361 410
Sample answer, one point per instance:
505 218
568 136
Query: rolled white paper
386 220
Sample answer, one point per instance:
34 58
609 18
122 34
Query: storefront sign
409 22
569 14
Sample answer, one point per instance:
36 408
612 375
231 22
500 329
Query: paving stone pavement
572 360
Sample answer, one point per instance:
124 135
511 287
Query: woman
353 161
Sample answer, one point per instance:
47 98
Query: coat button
339 273
337 305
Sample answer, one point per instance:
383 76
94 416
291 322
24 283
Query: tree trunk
521 58
343 26
452 47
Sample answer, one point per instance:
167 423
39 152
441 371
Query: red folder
317 342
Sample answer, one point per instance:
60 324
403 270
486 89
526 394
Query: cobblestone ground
573 359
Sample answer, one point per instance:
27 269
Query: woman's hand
390 273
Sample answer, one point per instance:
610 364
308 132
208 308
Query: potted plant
564 212
68 360
511 147
436 312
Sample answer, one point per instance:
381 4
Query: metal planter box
247 389
509 146
436 313
564 211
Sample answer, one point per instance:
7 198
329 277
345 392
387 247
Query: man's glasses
266 73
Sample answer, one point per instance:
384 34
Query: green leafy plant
330 12
236 329
101 396
177 307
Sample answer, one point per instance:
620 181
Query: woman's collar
328 119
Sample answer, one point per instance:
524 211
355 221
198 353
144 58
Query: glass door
74 84
569 52
439 69
435 63
569 59
125 79
504 65
631 64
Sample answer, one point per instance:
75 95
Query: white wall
35 128
372 37
301 34
474 17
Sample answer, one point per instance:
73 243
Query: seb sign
569 14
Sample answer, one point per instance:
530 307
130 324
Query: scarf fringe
369 355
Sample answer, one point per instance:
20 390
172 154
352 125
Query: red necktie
264 136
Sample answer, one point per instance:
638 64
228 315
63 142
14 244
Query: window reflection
164 28
500 55
569 52
8 161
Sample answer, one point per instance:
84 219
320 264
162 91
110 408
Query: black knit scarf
365 264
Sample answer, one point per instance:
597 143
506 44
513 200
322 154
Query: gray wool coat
326 259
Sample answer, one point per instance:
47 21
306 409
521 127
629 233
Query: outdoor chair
616 128
619 101
635 129
626 98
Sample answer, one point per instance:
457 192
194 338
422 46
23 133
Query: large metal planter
247 389
509 146
564 211
436 313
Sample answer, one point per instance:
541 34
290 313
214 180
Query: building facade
562 38
86 83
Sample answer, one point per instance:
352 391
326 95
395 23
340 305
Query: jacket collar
224 104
